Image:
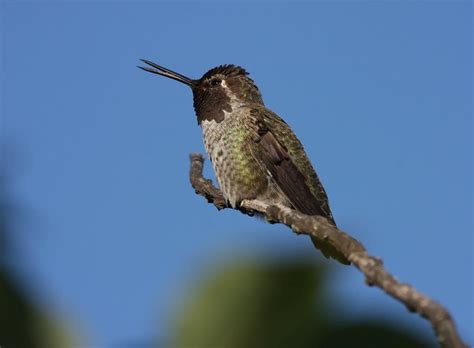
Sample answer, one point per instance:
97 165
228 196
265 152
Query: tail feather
329 251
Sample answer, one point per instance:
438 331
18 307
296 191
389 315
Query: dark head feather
226 70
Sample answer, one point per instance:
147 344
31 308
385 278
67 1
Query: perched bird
254 153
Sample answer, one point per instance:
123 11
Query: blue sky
97 151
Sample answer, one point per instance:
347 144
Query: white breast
216 143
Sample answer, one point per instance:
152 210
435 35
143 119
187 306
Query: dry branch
353 250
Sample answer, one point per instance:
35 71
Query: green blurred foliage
275 304
23 323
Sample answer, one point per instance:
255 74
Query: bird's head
217 92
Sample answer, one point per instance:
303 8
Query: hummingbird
254 153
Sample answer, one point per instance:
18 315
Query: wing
279 151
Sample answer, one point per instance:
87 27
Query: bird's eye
215 82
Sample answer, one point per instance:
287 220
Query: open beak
159 70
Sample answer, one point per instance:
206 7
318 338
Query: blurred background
105 244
